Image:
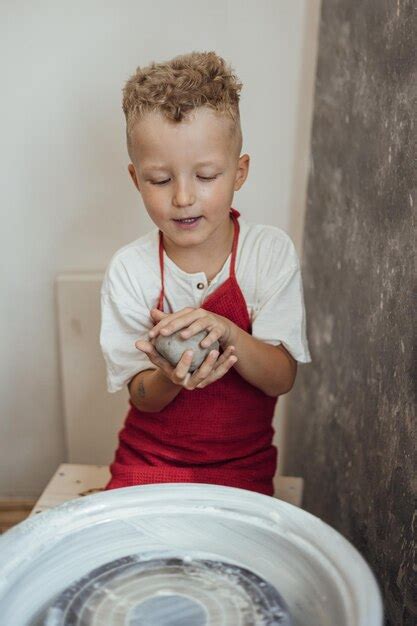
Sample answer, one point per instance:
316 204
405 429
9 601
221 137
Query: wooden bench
73 481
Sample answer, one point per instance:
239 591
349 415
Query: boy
203 268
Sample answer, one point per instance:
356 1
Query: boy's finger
212 336
218 371
224 367
206 367
181 312
176 321
225 355
197 327
158 314
202 374
161 315
211 363
182 368
160 328
144 346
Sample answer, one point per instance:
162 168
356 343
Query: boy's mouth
187 219
188 222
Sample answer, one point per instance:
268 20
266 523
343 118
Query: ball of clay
173 346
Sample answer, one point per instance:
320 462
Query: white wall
67 201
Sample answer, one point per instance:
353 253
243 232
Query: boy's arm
151 390
270 368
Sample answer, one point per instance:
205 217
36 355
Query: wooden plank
72 481
92 416
75 480
13 511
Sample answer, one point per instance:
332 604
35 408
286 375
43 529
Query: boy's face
172 167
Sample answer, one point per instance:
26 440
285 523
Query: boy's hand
193 321
212 368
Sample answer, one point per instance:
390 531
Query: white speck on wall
328 324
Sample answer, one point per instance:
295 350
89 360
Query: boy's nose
183 196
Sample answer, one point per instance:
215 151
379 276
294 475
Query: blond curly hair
184 83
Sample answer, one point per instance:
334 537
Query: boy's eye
162 182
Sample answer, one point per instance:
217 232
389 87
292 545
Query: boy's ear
133 176
242 171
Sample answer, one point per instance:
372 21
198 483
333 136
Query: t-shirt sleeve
279 313
124 319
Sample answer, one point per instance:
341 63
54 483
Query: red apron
220 434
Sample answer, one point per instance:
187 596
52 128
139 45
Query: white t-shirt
268 273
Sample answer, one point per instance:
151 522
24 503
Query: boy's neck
208 257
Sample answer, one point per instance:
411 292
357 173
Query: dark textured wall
352 421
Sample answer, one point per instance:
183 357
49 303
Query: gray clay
173 346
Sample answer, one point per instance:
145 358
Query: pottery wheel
168 592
